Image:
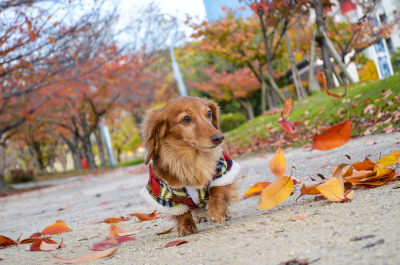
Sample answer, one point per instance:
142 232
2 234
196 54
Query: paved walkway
251 237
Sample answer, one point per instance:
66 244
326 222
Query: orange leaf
348 173
256 189
396 153
332 190
287 126
117 231
55 229
361 175
5 241
112 220
287 108
165 232
50 246
349 195
145 217
176 243
311 190
322 80
51 39
276 193
277 165
363 166
335 136
86 258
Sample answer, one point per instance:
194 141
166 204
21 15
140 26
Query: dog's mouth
203 148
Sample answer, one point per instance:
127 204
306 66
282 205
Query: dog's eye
209 114
186 119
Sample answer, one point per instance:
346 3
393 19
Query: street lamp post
165 24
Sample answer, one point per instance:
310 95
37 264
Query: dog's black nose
217 138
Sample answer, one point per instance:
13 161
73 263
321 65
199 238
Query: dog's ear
214 110
153 130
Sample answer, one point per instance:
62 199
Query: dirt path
251 237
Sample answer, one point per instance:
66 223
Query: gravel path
251 237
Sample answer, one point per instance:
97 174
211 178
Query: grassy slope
321 109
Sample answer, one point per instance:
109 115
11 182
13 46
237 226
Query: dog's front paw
217 215
186 230
200 219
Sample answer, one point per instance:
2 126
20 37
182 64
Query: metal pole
175 66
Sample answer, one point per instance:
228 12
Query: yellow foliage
368 72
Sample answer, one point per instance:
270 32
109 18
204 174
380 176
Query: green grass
320 109
133 162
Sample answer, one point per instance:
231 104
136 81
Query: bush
368 72
231 121
133 162
18 175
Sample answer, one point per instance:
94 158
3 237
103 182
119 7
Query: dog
190 169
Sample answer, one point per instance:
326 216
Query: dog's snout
217 138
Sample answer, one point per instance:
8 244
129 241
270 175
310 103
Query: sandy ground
251 237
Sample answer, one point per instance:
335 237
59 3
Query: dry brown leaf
287 108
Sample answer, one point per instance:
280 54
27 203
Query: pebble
396 186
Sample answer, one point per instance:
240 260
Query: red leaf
5 241
272 112
122 239
287 126
335 136
176 243
105 244
36 245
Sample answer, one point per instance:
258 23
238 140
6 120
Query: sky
177 8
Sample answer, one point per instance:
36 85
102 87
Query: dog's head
191 120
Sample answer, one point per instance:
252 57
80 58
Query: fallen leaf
105 203
387 161
277 165
116 231
396 153
335 136
165 232
287 126
379 242
57 228
113 220
176 243
5 242
322 80
63 208
369 142
144 217
363 166
348 157
332 190
358 238
50 246
298 218
36 245
105 244
297 262
349 195
272 112
383 171
287 108
324 165
122 239
255 190
338 174
276 193
360 175
86 258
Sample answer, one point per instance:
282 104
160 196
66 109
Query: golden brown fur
183 153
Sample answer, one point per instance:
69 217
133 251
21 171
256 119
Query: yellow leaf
332 190
255 189
276 193
396 153
383 171
338 174
277 165
349 195
388 160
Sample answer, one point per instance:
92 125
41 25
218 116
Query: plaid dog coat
177 201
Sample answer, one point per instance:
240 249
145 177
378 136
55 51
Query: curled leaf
322 80
36 245
55 229
287 108
255 190
335 136
176 243
165 232
349 195
287 126
144 217
50 246
277 165
105 244
276 193
86 258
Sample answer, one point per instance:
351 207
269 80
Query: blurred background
77 76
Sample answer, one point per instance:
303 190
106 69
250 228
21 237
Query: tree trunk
295 72
88 151
311 86
246 105
100 145
263 95
322 43
39 156
119 152
74 149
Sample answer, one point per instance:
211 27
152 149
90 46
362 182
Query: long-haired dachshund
189 171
